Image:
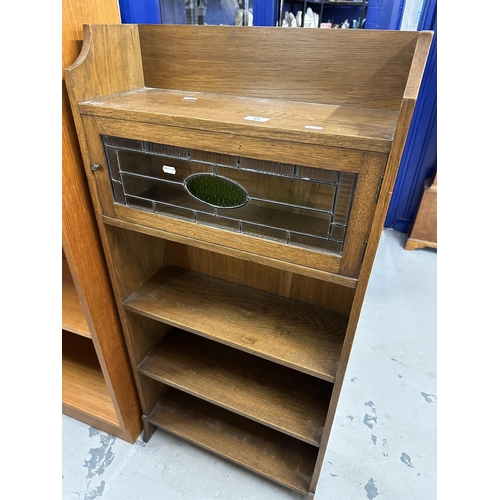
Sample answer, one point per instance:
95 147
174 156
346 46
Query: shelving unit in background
361 4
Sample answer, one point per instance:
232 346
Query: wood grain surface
309 290
424 231
198 233
286 331
366 68
83 384
362 213
73 317
336 157
261 449
281 398
353 127
244 255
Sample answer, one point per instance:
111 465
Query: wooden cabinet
98 387
240 200
424 231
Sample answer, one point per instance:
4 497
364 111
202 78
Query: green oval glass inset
217 191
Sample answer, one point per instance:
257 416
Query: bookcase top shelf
241 81
312 123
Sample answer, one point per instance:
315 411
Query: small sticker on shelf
313 127
189 98
256 118
168 170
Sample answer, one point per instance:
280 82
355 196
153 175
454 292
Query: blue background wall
140 11
384 14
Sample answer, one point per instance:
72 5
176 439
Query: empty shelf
73 317
270 453
83 385
302 336
276 396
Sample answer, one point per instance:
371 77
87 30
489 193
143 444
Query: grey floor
383 441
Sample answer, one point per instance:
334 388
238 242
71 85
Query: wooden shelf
84 387
278 397
73 317
270 453
275 262
370 129
292 333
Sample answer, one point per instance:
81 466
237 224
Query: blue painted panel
174 12
265 13
384 14
419 159
140 12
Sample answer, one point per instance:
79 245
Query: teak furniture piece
240 200
424 231
98 385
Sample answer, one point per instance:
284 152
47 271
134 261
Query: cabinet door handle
95 166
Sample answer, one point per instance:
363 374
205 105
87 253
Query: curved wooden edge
110 61
85 49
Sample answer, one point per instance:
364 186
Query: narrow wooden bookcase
240 199
98 386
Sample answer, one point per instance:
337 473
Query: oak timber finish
304 257
317 292
273 395
307 155
208 386
364 68
83 386
89 273
286 331
137 256
224 250
247 443
363 210
424 231
350 127
73 317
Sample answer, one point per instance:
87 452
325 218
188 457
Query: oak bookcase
98 385
240 199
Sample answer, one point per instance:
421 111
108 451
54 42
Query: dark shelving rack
363 4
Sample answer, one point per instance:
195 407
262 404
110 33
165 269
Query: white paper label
256 118
189 98
313 127
168 170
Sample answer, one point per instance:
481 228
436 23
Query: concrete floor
383 441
